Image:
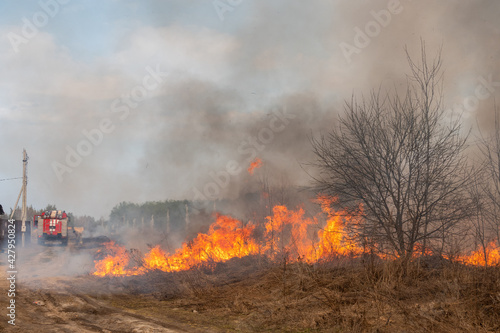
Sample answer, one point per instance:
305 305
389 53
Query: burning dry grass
286 232
277 275
351 295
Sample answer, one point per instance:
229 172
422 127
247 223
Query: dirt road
50 298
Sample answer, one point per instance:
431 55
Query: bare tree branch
394 155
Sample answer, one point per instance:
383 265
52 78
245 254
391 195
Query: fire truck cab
52 227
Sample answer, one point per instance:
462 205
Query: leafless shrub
394 155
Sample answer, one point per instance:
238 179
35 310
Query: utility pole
168 221
23 191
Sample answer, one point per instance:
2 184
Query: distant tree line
155 213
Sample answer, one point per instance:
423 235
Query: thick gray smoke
177 100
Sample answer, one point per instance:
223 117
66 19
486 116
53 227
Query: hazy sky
150 100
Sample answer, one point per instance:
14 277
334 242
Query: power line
1 180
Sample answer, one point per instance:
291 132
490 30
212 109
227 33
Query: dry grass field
250 295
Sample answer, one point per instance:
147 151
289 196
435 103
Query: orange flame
488 256
287 234
227 238
115 263
333 239
257 163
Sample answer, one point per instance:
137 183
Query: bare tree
487 224
394 156
480 221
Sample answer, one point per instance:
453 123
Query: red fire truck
51 227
